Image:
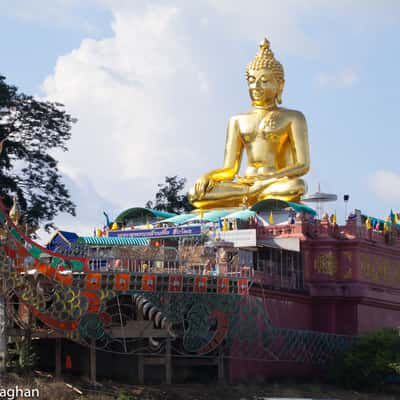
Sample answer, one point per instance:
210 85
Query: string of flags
376 224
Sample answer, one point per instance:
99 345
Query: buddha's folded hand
204 185
245 180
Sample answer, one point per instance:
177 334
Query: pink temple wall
291 313
353 287
371 318
345 276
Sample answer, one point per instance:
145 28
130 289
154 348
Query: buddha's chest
268 128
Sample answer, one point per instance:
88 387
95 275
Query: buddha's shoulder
282 113
290 115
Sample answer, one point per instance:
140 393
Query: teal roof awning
241 214
178 219
112 241
140 212
273 204
211 216
301 208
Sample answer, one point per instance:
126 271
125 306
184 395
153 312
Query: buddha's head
265 77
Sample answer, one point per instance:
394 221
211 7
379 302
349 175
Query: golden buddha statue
274 139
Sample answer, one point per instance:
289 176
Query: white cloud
135 95
204 21
385 185
344 78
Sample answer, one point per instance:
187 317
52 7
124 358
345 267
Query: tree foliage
23 358
30 130
371 359
169 196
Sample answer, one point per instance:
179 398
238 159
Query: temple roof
211 216
61 237
140 212
241 214
272 204
178 219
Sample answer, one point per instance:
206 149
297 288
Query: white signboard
240 238
292 244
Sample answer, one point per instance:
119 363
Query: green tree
29 130
169 196
22 358
371 359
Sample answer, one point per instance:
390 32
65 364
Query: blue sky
154 83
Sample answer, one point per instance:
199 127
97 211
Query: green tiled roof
112 241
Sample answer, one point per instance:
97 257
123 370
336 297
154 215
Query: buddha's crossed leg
231 194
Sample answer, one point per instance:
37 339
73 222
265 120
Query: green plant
22 358
125 396
368 361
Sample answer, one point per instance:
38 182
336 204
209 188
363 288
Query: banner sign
240 238
292 244
157 232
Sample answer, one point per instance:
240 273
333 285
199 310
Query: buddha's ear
281 85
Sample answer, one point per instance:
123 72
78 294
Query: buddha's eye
264 79
251 79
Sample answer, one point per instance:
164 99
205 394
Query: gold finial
265 59
264 44
15 213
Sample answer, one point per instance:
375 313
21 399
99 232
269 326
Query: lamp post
346 198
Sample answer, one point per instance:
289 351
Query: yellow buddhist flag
114 226
271 218
225 225
334 218
368 223
396 218
386 224
385 227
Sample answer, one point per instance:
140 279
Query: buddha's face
264 89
